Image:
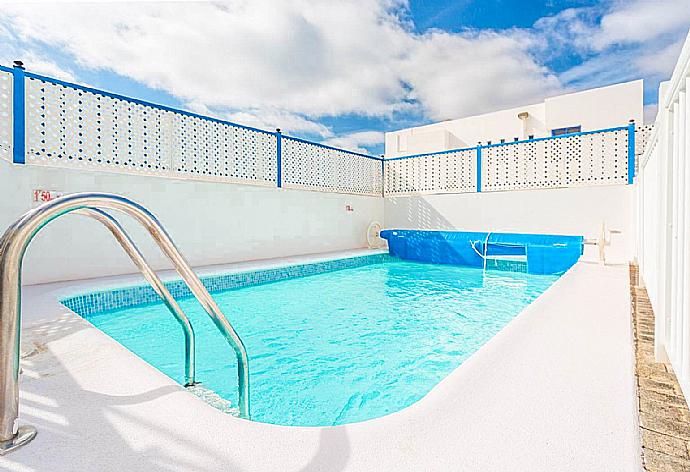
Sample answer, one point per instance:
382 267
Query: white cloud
304 58
357 142
272 119
45 66
659 61
465 74
289 63
639 21
40 63
627 40
299 56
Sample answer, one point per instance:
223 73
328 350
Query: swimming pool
337 347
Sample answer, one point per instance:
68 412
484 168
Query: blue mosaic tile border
96 302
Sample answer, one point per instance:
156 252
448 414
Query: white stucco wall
598 108
576 211
212 223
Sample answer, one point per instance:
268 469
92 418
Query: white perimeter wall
575 211
212 223
215 223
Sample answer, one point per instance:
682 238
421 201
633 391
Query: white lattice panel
217 150
450 172
596 159
5 115
532 164
314 167
67 126
642 135
581 160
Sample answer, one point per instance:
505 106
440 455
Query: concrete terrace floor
664 413
554 390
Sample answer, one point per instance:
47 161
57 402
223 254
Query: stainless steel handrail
156 283
13 245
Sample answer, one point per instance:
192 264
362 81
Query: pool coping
575 327
89 302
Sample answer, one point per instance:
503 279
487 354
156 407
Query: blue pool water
337 347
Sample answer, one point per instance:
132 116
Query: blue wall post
631 151
479 167
18 115
279 158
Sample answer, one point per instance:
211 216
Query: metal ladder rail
486 248
152 278
168 247
13 245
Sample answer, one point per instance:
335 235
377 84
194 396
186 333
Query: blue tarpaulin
545 253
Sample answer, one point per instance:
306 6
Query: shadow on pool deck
96 415
333 452
113 427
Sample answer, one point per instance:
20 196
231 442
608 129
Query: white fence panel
67 126
5 115
310 166
217 150
597 158
448 172
75 127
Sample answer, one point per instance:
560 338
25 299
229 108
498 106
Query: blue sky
454 15
345 71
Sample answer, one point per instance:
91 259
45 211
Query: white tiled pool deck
553 391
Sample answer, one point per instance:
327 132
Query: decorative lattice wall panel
314 167
5 115
70 126
571 161
449 172
642 135
218 150
67 126
533 164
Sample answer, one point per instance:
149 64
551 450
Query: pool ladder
13 245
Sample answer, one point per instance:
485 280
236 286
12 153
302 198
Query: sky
343 72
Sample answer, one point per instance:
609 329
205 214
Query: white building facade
588 110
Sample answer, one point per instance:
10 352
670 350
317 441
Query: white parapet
663 226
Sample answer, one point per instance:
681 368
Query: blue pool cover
545 253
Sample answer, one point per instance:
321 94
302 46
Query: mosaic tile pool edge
94 302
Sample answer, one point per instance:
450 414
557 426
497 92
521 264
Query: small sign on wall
41 196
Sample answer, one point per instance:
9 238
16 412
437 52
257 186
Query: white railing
312 166
55 123
663 223
444 172
589 158
580 159
5 115
78 127
69 125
